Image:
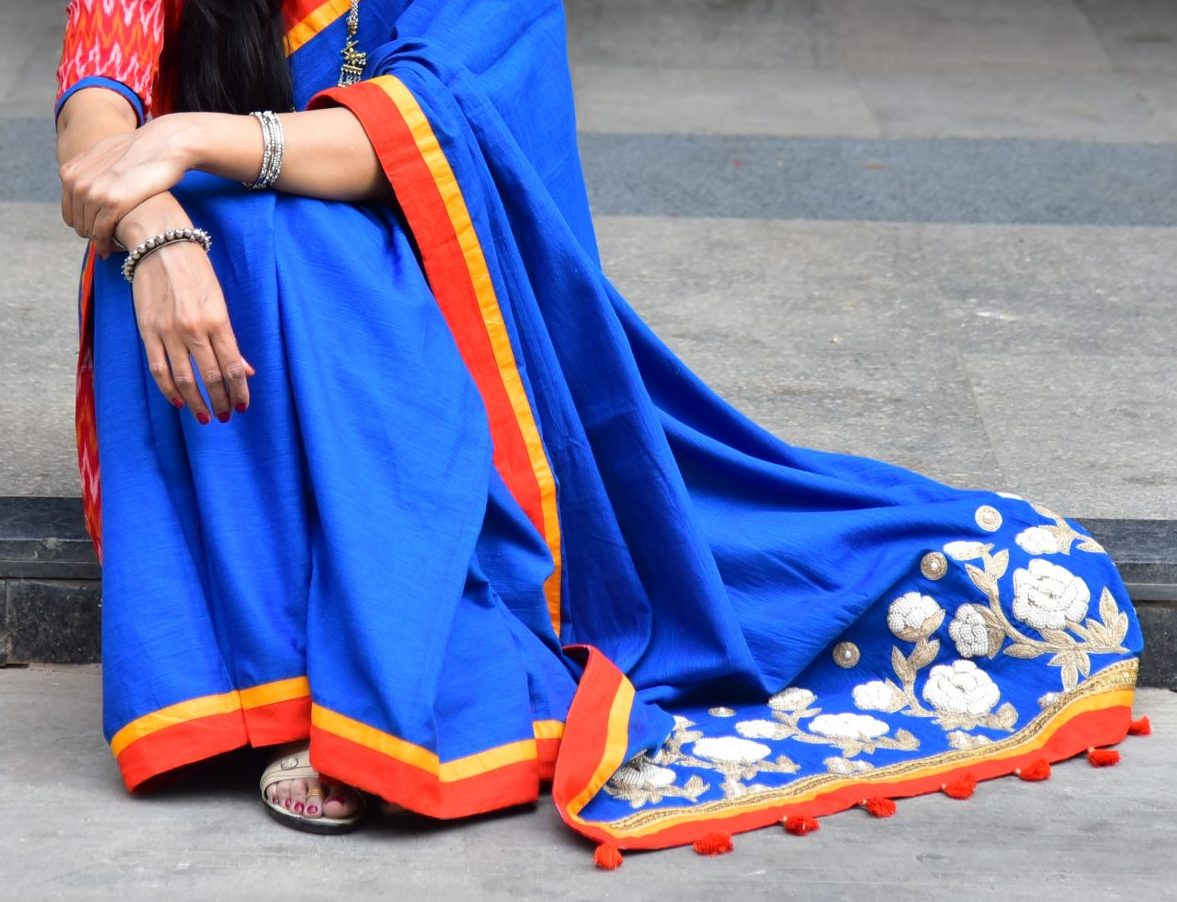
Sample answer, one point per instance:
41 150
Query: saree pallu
481 530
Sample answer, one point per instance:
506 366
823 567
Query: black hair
229 56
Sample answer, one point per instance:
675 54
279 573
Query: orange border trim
306 20
433 203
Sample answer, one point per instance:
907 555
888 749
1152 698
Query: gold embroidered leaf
1061 659
998 563
995 634
981 579
1090 545
1007 716
1083 660
1057 638
1094 632
905 739
1119 630
924 654
903 669
1021 650
1107 606
933 623
1070 677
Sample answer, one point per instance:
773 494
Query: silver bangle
171 236
273 145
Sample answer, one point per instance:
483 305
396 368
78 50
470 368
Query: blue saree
480 530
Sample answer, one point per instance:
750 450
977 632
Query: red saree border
1096 714
435 208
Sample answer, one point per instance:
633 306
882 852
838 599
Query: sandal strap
295 766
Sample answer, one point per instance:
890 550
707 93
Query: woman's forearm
326 154
90 115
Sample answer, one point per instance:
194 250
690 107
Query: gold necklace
354 60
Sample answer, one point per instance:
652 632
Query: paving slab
74 834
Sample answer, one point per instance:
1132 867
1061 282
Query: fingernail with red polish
202 418
178 402
223 416
241 407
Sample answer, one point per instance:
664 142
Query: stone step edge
50 584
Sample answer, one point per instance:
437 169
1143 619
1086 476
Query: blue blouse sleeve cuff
98 81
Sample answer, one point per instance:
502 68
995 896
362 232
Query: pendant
354 62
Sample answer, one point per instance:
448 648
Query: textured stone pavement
72 833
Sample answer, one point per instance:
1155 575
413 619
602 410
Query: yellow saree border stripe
492 317
422 758
646 825
314 22
613 756
208 706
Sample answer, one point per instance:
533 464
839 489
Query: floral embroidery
1051 600
721 712
1047 596
961 688
792 699
847 766
860 727
913 616
1056 538
973 633
1038 540
642 782
959 739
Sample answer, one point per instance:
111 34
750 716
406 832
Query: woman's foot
315 797
296 795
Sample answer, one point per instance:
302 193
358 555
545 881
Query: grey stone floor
937 233
72 833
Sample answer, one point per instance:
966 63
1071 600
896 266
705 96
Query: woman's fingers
234 368
161 371
211 374
185 380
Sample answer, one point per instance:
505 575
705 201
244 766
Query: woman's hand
181 312
116 174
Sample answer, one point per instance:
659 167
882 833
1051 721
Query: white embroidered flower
1047 700
847 766
642 773
1047 596
1038 540
761 729
721 711
681 723
877 696
848 726
914 616
964 551
967 630
730 749
792 699
961 688
959 739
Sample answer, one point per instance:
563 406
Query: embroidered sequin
846 654
988 518
933 565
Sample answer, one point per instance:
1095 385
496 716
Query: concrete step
52 590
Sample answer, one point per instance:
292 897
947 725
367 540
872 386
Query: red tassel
607 857
800 825
1140 727
1035 771
714 844
879 806
1103 757
962 788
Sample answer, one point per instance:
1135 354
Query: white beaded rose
1038 540
792 699
1047 596
847 766
848 726
642 773
914 616
761 729
961 688
877 696
967 630
730 749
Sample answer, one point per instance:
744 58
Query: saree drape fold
481 529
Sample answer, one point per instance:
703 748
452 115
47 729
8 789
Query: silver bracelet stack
274 144
171 236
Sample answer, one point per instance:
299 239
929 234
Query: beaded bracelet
171 236
273 145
